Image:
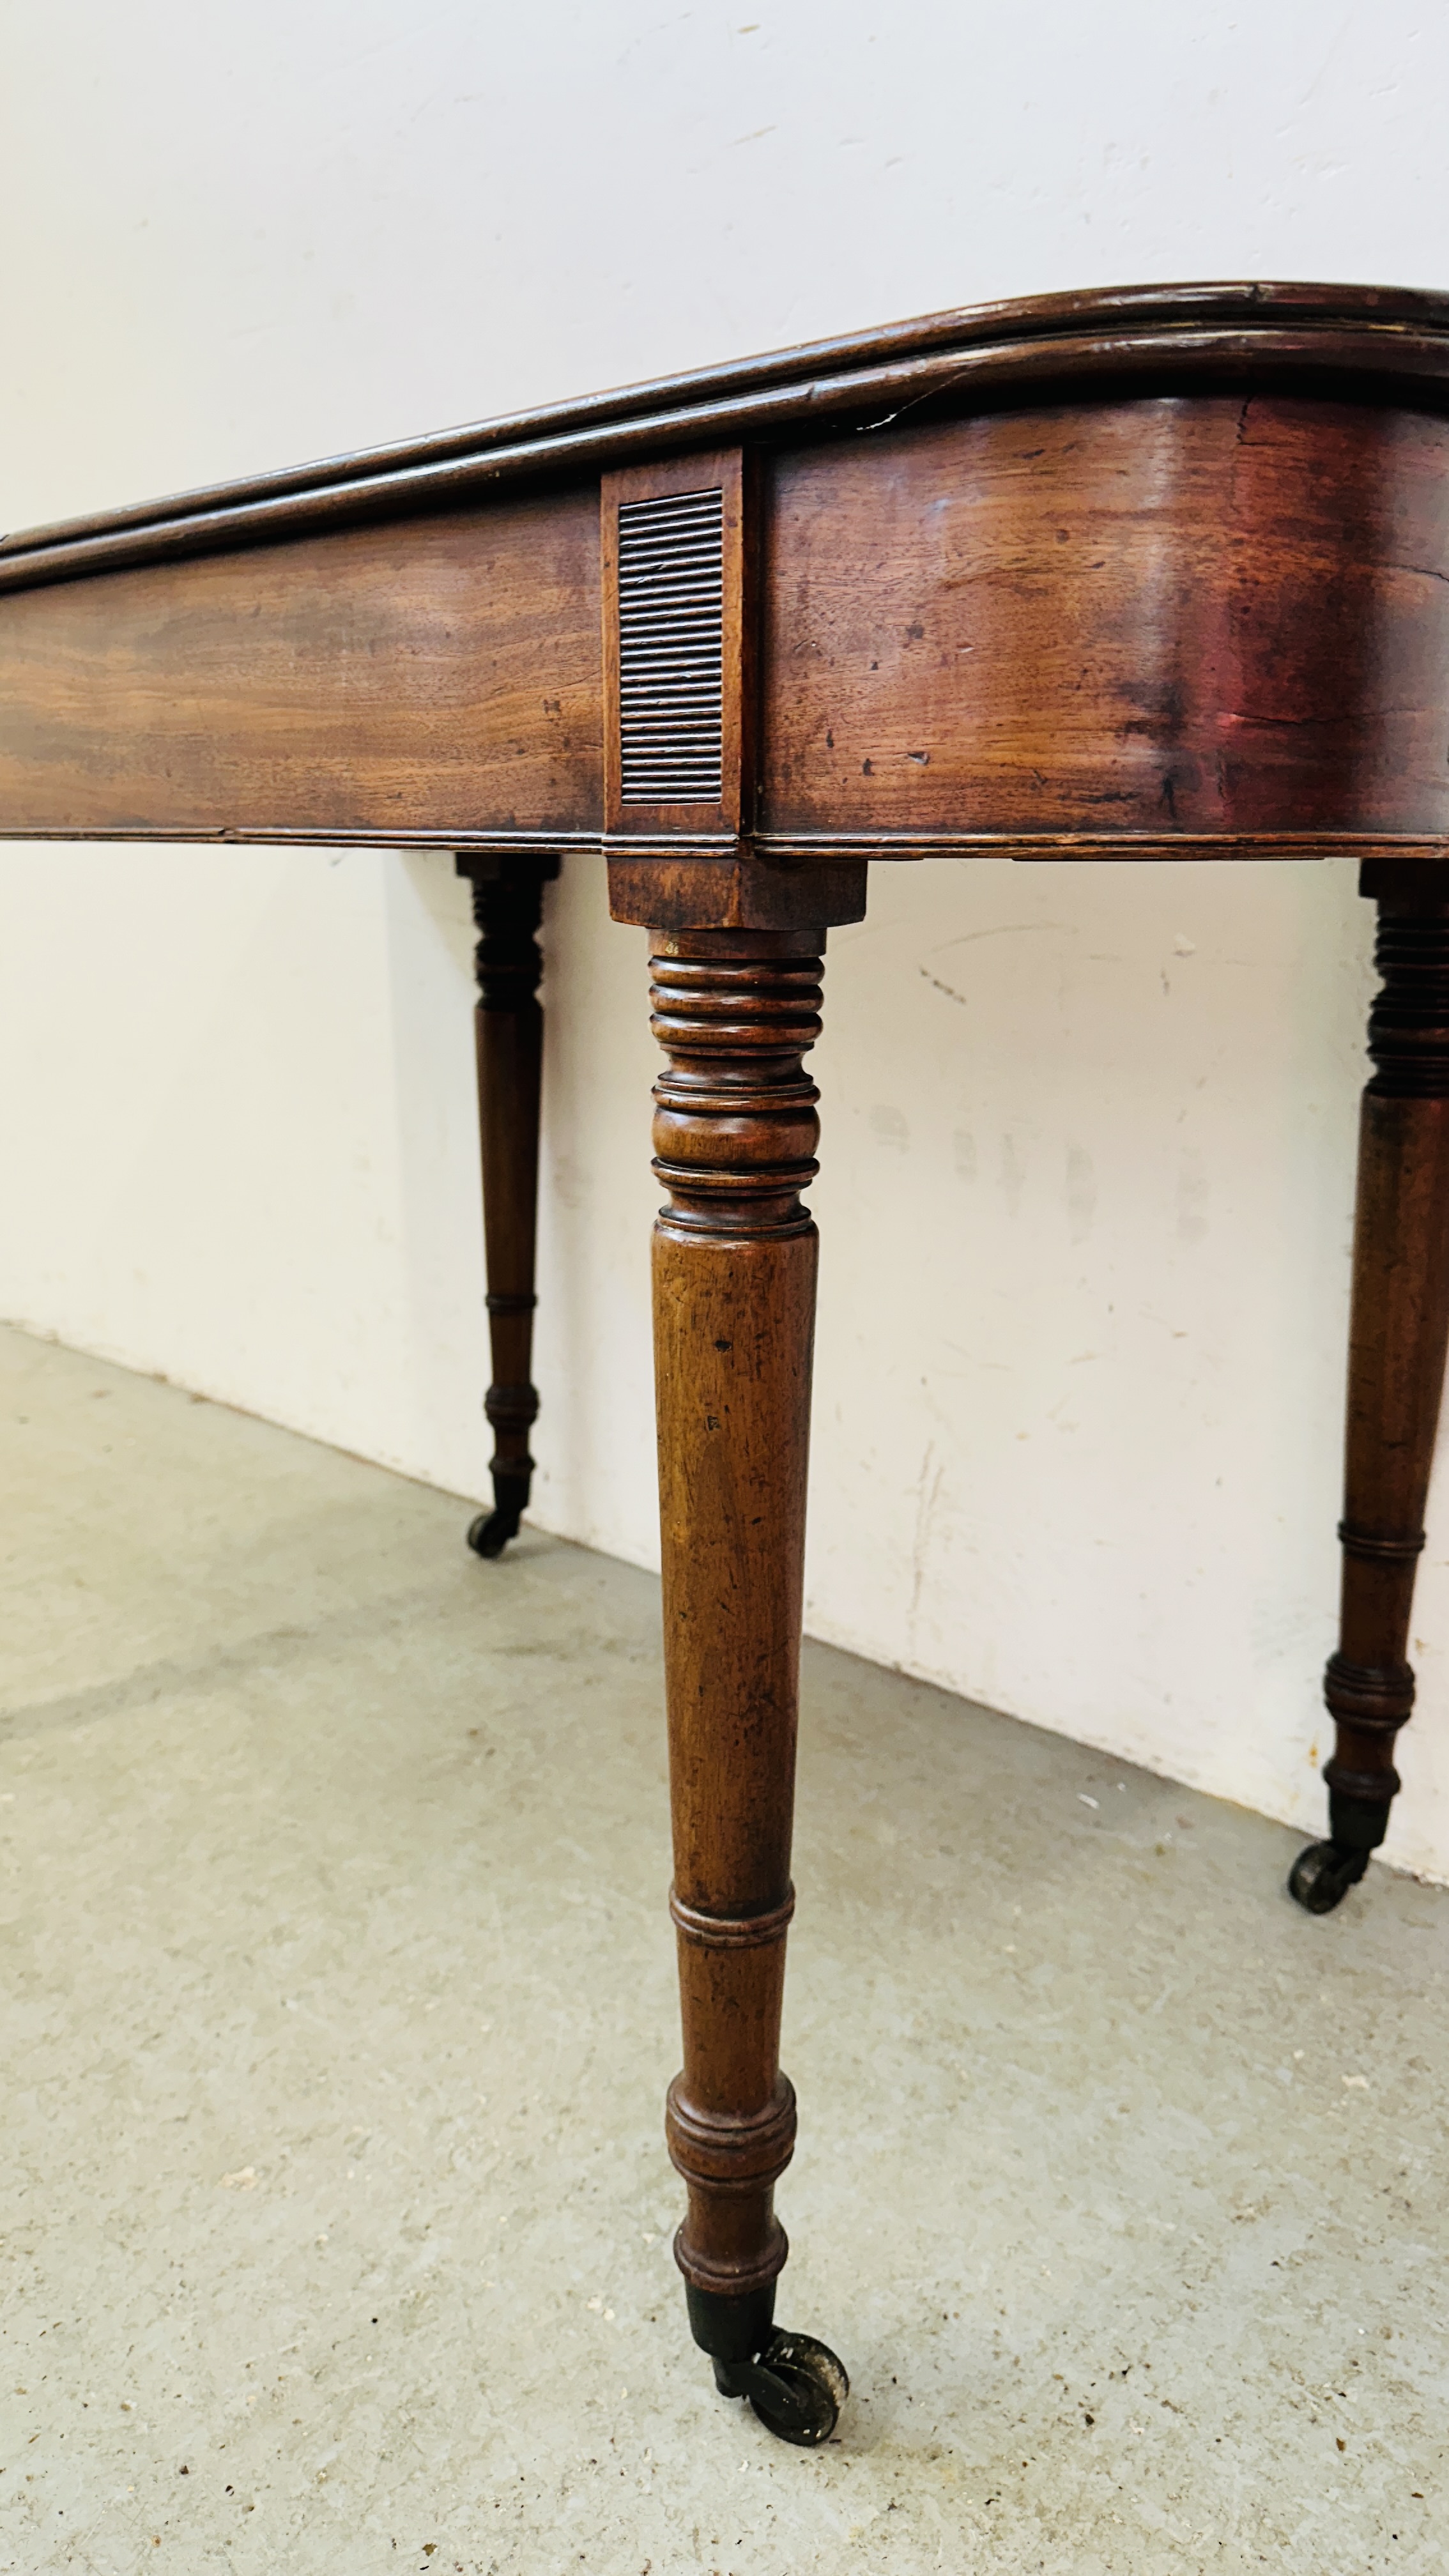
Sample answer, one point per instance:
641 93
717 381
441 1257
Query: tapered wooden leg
734 1307
1397 1340
508 908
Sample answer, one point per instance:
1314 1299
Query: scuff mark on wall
928 1488
1193 1192
1081 1192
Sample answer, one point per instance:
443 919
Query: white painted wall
1088 1134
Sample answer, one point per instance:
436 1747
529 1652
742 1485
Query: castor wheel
1322 1875
796 2386
490 1533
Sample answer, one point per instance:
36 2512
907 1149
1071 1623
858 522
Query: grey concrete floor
339 2008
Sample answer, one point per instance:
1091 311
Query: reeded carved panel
678 648
671 649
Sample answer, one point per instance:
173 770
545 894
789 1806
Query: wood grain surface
734 1316
1133 623
508 1034
1161 569
421 680
724 471
1392 342
1201 614
1398 1336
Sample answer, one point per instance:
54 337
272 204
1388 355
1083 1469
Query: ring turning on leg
1397 1339
734 1305
507 909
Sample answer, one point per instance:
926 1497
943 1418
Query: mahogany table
1152 574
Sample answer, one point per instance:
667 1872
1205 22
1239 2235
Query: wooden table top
1156 571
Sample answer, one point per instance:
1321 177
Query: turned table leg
734 1308
507 908
1397 1339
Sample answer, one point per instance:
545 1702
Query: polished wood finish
731 814
1398 1336
1161 572
1192 614
734 1308
1391 343
508 1027
1143 625
415 684
1153 571
735 892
